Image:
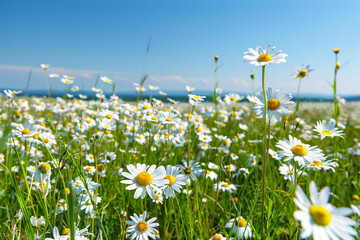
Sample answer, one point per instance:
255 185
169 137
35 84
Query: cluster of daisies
213 145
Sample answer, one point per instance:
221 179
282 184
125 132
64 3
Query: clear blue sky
84 38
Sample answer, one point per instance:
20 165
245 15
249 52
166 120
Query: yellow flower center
232 99
144 179
320 215
187 170
273 104
264 57
108 116
88 169
101 167
157 197
171 179
299 150
36 135
65 231
142 226
301 74
318 163
18 115
154 118
242 222
169 119
225 185
146 107
326 132
88 121
44 168
291 172
25 131
215 237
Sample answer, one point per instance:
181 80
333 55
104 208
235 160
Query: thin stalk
297 97
265 155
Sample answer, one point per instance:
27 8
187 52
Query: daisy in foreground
145 179
261 57
320 219
278 103
140 229
327 130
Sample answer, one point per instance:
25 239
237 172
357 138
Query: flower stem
265 153
297 98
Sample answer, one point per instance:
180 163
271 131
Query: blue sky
86 38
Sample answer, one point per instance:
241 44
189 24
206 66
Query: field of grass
109 169
70 136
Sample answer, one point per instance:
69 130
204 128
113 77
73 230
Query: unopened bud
336 50
337 65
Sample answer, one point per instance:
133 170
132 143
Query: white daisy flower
191 169
301 152
320 219
277 102
274 154
42 172
217 236
261 57
37 222
190 89
327 130
302 72
67 81
323 164
106 80
176 181
145 179
224 186
232 98
240 227
140 229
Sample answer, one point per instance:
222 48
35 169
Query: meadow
271 167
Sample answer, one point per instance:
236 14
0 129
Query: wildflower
277 102
240 227
44 66
261 57
176 181
323 164
232 98
144 179
140 229
217 236
67 81
106 80
153 88
42 172
319 218
302 72
190 89
224 186
327 130
37 222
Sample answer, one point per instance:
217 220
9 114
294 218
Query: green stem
297 97
265 155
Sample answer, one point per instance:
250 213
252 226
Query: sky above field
84 39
